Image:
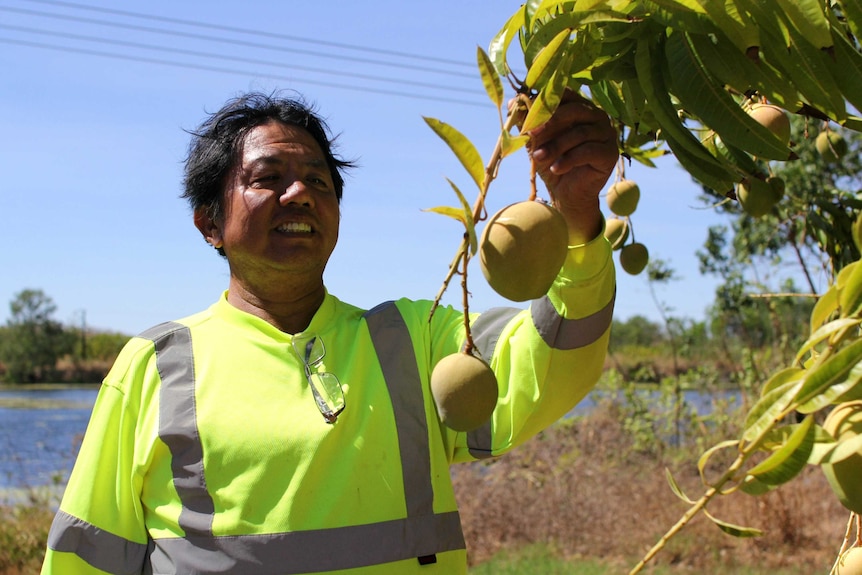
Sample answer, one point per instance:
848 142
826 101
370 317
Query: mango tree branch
491 168
698 506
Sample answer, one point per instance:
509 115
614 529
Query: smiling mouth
294 227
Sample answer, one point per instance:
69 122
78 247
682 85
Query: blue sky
92 150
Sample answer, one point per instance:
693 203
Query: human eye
320 181
263 179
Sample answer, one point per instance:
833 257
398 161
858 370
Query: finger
572 138
576 111
599 156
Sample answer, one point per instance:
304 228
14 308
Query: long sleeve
99 527
548 357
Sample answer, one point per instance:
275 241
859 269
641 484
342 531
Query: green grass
540 559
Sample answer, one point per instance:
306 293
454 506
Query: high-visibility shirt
206 452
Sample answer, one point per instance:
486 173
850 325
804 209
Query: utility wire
257 33
229 57
176 33
206 68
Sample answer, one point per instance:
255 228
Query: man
285 431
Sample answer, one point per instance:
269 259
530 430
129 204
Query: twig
781 294
844 543
698 506
468 346
478 206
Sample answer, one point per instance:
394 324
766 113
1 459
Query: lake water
38 444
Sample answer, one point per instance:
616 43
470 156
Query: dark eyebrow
277 161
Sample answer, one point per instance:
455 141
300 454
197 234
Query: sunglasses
325 387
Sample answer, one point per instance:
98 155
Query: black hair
215 145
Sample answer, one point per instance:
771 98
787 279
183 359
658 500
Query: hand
575 152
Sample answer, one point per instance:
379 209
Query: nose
296 192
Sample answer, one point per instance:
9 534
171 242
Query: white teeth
294 227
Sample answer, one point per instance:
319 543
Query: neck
288 310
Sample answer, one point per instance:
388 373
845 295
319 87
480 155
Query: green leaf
825 332
607 97
705 457
850 292
675 487
832 378
852 9
782 377
843 449
634 101
549 34
701 94
769 409
499 46
547 61
753 486
787 461
806 66
645 155
490 77
737 70
736 25
846 66
734 530
808 18
546 102
462 147
852 123
449 211
469 223
694 157
512 143
826 305
680 15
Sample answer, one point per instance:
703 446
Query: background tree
33 340
809 232
772 267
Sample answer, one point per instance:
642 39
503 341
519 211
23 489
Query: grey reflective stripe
101 549
421 533
178 426
555 330
311 551
479 441
561 333
394 349
486 329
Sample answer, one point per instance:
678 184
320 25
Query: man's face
281 212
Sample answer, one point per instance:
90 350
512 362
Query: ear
208 227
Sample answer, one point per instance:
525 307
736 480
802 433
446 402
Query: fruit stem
533 192
468 334
844 544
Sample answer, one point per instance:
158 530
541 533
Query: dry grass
23 536
581 489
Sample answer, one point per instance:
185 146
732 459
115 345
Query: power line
229 57
176 33
235 72
258 33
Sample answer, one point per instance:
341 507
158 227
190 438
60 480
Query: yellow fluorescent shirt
206 452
